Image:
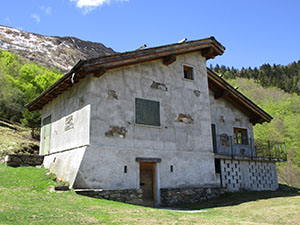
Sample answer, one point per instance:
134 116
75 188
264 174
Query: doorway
218 171
46 132
147 182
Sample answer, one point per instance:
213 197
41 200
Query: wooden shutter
214 137
245 137
147 112
46 131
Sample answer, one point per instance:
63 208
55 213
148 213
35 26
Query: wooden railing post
231 145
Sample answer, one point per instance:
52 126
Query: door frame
156 183
149 166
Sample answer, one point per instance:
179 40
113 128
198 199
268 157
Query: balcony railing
224 145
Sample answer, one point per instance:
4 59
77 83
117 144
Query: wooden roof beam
167 60
220 94
208 53
100 72
255 120
96 71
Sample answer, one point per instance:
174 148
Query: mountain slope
59 52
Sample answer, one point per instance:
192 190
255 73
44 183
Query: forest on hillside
21 82
274 88
286 78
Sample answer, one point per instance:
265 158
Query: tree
20 83
33 79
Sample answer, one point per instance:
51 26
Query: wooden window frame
188 72
240 136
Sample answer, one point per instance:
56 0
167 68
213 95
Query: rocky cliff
50 51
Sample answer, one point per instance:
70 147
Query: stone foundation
17 160
175 196
132 196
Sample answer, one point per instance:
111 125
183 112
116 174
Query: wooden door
46 131
147 180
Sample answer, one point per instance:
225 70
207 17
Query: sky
254 32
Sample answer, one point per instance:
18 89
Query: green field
25 198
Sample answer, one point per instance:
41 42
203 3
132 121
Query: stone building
152 125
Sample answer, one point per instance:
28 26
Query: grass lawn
25 199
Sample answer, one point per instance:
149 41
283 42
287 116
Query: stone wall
17 160
175 196
70 118
169 196
132 196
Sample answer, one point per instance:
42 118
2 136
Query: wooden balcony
224 147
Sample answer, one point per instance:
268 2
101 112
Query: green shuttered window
147 112
46 133
214 137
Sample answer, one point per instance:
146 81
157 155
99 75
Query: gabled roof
222 89
208 47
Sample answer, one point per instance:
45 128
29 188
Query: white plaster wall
134 82
232 116
65 164
73 102
104 168
67 147
188 147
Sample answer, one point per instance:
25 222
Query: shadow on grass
236 198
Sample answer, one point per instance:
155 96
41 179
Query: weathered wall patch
116 131
69 123
159 86
185 118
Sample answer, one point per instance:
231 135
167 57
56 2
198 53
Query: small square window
188 72
240 136
147 112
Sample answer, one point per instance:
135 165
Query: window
147 112
188 72
240 136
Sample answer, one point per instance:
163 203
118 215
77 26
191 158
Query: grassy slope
14 140
25 199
